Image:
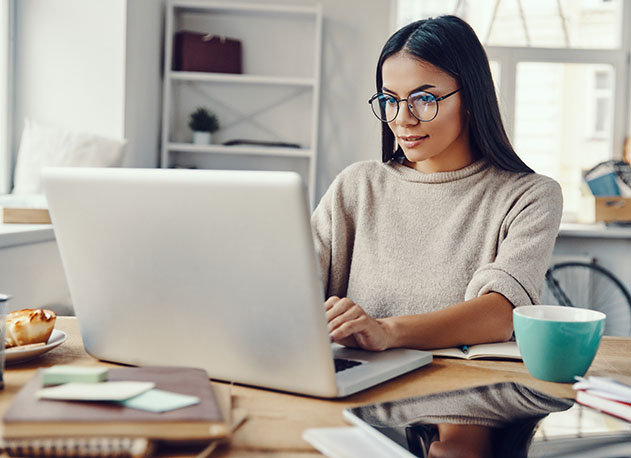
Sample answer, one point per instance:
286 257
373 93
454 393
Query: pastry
28 326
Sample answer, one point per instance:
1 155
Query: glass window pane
602 80
556 120
601 112
583 24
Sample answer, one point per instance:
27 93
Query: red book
612 407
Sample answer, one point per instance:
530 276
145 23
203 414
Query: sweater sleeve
333 234
322 234
524 249
333 226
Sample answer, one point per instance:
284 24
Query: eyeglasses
422 105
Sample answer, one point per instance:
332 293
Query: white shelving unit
275 99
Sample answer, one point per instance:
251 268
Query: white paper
348 442
105 391
600 386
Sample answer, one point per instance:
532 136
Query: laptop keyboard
343 364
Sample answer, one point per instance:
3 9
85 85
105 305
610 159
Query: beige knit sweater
401 242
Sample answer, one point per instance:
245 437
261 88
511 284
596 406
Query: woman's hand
351 326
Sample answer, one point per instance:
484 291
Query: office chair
588 285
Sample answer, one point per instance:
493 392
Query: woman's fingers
340 311
330 302
336 307
350 312
350 325
354 324
346 318
334 301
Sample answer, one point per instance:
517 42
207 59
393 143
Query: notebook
31 417
205 268
497 350
105 447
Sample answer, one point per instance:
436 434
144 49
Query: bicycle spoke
590 286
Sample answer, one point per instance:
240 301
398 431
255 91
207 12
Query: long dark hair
450 44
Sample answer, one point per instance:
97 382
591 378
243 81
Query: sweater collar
413 175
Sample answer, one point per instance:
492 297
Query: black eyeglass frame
436 100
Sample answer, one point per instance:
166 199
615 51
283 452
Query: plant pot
201 138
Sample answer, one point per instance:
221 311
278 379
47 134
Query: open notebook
498 350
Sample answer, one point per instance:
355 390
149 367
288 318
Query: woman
435 245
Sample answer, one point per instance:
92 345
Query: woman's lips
412 141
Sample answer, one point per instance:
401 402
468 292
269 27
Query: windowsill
595 230
22 234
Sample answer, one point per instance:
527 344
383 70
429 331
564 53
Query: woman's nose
404 116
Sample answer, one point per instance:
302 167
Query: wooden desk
276 420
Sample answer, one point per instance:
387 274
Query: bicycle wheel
588 285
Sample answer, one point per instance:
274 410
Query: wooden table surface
276 421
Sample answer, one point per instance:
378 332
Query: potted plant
203 123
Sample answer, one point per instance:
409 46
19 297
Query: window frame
7 59
509 57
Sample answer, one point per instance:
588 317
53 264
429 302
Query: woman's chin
414 157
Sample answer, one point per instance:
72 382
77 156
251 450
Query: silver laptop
205 268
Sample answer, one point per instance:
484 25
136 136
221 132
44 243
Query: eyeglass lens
422 105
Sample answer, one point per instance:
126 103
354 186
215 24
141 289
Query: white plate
17 355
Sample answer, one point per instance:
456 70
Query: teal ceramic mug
557 343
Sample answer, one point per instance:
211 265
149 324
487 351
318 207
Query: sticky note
105 391
160 401
59 374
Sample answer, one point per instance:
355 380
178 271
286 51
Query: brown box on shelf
24 215
199 52
612 209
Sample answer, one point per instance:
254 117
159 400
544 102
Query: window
5 99
602 99
560 68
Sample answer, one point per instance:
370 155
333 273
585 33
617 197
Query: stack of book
609 178
181 407
606 395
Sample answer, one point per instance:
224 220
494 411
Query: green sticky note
160 401
56 375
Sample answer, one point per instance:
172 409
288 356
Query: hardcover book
616 408
30 417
